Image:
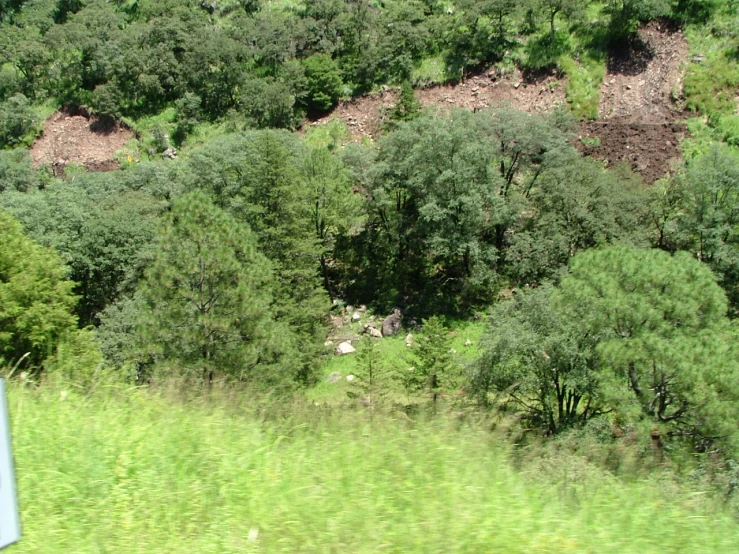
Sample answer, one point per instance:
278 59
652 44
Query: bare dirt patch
71 136
644 76
639 109
649 148
365 116
638 114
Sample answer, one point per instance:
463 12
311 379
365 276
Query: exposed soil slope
638 116
71 137
643 79
637 122
365 116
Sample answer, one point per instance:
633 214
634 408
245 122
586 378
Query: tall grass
583 85
133 471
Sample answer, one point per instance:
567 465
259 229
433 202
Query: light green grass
584 79
710 85
431 71
130 471
395 357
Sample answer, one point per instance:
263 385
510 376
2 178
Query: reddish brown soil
650 148
71 137
365 116
639 111
639 107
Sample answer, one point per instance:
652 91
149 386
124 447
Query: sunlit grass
131 471
583 85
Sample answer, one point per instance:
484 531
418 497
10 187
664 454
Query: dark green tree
38 327
323 82
541 360
575 206
407 107
208 299
17 121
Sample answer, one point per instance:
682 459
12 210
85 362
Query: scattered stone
349 309
375 333
699 59
468 342
334 377
363 309
345 348
392 324
350 378
356 316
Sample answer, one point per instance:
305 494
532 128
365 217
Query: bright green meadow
137 471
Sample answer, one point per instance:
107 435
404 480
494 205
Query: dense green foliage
37 326
268 62
531 289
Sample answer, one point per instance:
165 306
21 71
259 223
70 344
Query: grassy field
133 471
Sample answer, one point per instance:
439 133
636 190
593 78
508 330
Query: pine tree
208 297
436 362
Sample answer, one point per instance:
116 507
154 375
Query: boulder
373 332
356 316
350 378
392 324
345 348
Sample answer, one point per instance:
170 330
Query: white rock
356 316
345 348
350 378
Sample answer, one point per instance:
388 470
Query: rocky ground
640 108
71 136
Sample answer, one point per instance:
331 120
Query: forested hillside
500 236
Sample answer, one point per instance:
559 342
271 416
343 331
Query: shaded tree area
272 65
461 204
638 334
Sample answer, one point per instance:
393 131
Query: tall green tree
698 211
664 336
540 360
575 206
37 322
335 208
435 366
208 299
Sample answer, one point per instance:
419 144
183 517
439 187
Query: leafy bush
323 82
17 121
15 171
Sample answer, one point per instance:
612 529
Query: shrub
323 82
17 120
